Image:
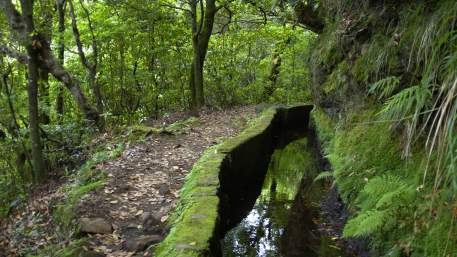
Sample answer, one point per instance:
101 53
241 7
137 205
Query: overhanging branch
22 58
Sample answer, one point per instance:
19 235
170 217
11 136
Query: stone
140 243
151 222
164 189
95 226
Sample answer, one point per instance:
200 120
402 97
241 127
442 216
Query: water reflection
285 218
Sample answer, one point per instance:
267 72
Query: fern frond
386 190
408 101
384 87
365 224
324 175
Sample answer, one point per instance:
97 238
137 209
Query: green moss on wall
195 220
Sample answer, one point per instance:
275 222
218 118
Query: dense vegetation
126 63
382 75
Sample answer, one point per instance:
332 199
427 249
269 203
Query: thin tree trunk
47 60
39 168
91 67
61 6
202 31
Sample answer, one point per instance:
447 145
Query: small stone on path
95 226
140 243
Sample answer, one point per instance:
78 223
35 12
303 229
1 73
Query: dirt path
142 190
144 182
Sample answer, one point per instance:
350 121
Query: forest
184 128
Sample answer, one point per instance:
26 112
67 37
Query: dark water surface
285 220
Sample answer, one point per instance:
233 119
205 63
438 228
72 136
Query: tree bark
274 74
61 6
201 34
46 59
39 169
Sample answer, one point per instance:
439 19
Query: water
286 220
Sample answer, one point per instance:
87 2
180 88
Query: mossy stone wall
224 184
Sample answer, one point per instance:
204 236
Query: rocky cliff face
385 82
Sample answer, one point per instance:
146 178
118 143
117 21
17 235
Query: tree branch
92 33
176 7
202 17
20 57
77 37
15 20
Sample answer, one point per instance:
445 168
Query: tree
61 6
91 67
31 45
201 32
45 57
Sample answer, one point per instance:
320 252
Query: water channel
286 219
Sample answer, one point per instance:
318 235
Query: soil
141 192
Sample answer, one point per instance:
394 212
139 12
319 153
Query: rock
95 226
151 222
140 243
164 189
123 188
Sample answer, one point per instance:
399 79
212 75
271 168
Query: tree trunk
44 95
91 67
61 6
47 60
39 168
202 31
273 77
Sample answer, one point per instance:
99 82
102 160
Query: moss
324 126
377 59
256 127
140 132
338 80
194 221
329 48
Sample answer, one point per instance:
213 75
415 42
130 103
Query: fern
324 175
408 101
365 224
380 202
384 87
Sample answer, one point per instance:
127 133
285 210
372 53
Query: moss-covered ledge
222 184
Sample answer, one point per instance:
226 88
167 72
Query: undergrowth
393 152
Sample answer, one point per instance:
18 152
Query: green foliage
361 151
324 127
378 59
383 202
384 87
324 175
407 102
365 223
